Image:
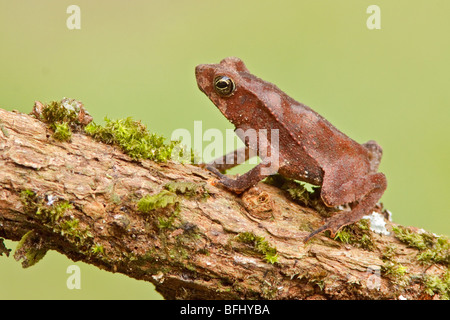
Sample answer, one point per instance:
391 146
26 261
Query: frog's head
224 84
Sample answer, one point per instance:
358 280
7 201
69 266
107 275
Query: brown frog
306 146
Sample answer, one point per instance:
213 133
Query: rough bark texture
199 241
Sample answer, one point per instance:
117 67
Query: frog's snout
198 70
201 70
202 74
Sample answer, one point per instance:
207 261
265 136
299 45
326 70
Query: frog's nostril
199 69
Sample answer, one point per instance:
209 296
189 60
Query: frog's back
317 137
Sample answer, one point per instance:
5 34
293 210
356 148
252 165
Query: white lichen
377 223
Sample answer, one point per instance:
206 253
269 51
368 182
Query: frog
306 146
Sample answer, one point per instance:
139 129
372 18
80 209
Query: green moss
55 217
301 192
259 245
98 249
178 253
268 290
36 205
439 252
159 200
56 112
166 222
343 236
29 249
61 117
188 189
62 132
71 228
392 269
29 199
55 212
318 279
389 252
182 187
433 249
135 140
409 237
438 285
356 234
151 203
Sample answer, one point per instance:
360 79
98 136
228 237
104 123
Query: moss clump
134 139
54 215
356 234
62 132
56 112
182 187
98 249
62 117
318 279
412 239
159 200
29 200
389 252
30 249
150 204
432 248
260 245
301 192
187 189
439 252
54 212
438 285
393 269
48 213
71 228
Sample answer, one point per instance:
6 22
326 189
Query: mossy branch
167 223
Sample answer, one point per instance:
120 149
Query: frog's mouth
204 74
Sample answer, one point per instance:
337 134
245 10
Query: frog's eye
224 86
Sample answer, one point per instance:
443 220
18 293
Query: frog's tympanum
306 146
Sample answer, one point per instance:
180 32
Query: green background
137 58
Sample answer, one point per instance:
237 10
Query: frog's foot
248 179
333 225
231 160
370 189
214 170
224 181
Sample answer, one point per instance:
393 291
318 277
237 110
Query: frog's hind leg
369 190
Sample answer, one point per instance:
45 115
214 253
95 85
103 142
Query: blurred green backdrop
137 58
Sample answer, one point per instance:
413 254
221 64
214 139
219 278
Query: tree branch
189 238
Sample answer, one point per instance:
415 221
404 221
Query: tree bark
201 242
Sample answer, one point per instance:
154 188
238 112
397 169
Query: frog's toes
315 232
216 172
332 225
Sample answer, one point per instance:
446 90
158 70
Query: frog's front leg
232 159
247 180
362 193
